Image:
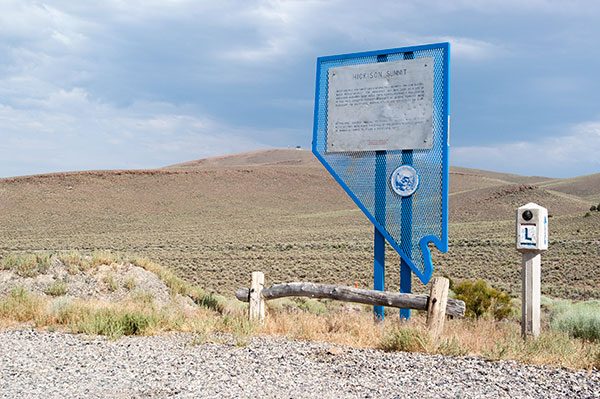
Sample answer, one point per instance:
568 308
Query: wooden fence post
257 303
436 308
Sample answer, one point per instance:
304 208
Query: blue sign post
381 130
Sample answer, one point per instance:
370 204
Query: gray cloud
572 154
145 83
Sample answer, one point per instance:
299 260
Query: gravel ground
36 364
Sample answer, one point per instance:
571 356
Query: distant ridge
507 177
474 194
252 158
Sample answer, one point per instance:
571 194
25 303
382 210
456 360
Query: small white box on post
531 240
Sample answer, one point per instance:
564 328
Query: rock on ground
58 365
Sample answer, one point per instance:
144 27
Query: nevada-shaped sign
381 130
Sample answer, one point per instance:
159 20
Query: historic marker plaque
383 106
381 130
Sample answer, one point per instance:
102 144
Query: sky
133 84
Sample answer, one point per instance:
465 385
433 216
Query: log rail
454 307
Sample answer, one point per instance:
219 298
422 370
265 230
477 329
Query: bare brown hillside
281 157
586 187
279 211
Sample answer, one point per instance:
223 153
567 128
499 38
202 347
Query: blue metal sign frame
377 213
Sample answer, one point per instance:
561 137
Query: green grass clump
110 282
28 265
581 320
57 288
129 283
20 305
239 326
208 301
175 284
481 300
115 323
104 258
143 298
405 339
74 261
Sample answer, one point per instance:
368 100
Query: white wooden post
257 303
530 293
436 309
531 240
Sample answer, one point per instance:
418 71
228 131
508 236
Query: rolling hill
215 220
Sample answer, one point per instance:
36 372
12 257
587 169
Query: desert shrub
481 300
587 215
593 208
57 288
580 320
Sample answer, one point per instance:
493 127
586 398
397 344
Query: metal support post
378 239
379 270
406 235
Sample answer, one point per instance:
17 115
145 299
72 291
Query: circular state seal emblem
404 180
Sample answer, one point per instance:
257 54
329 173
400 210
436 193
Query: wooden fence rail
437 304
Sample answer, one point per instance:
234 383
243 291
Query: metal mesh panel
423 211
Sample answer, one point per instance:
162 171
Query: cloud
71 131
570 155
573 7
143 83
464 48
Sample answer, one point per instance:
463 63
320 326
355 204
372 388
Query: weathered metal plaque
381 106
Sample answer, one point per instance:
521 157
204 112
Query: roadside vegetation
211 227
570 337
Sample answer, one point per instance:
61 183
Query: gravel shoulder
58 365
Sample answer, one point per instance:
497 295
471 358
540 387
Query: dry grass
354 329
486 338
137 316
